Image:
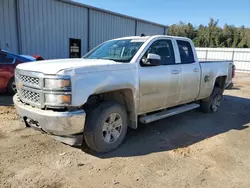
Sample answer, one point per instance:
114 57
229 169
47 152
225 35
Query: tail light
233 71
38 57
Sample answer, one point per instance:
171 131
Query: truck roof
152 36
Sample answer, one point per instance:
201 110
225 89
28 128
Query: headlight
51 83
57 98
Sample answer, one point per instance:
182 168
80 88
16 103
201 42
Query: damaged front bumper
63 124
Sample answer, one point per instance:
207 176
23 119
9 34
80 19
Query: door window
163 48
186 52
5 59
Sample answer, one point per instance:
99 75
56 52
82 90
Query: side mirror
152 60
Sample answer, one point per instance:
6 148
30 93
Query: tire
12 86
230 86
212 103
99 133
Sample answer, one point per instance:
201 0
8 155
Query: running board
168 113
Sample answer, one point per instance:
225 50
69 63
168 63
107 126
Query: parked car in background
38 57
8 63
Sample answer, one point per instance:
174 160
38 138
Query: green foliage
212 35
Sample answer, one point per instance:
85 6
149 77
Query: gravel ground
189 150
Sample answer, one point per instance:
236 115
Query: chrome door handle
196 70
175 72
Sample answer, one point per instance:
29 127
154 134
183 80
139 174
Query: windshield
116 50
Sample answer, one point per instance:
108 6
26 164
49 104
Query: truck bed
214 69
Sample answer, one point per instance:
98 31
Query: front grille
30 87
29 96
28 79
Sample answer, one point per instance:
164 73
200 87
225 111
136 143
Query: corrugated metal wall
8 26
47 26
104 26
149 29
44 26
241 57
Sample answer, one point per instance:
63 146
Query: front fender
88 84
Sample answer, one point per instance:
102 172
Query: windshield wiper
116 60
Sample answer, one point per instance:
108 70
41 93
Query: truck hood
79 65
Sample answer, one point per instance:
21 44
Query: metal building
63 28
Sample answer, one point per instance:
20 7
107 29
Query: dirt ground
189 150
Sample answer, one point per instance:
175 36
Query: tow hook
32 123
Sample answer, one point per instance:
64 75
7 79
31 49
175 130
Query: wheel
212 103
12 86
106 127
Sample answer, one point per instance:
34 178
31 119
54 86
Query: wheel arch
220 82
124 96
9 83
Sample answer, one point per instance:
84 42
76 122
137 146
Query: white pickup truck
117 84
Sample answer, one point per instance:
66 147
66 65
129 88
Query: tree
212 35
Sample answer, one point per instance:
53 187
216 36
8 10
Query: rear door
190 72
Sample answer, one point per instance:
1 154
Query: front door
159 85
